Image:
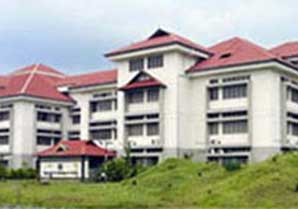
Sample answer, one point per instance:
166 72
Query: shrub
116 170
119 169
232 165
3 172
22 173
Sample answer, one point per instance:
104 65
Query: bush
119 169
22 173
232 165
116 170
3 172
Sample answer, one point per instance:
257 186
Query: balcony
4 149
5 124
238 103
48 125
104 115
145 141
230 140
145 107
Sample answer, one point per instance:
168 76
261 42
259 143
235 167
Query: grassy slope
173 184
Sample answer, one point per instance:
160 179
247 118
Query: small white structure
72 160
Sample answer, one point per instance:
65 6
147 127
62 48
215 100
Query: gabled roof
142 80
235 51
160 38
35 81
289 49
89 79
41 69
76 148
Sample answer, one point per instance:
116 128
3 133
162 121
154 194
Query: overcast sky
73 35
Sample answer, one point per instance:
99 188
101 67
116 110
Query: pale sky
73 35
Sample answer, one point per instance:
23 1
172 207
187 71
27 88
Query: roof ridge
246 41
90 73
29 79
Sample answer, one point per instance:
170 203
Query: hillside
173 184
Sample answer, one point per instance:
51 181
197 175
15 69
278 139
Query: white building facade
167 97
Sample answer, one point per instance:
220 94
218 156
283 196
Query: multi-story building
167 97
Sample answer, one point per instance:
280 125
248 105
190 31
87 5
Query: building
78 159
167 97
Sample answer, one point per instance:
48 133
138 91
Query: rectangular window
294 129
153 95
294 95
76 119
213 93
152 129
4 116
235 91
104 106
136 64
155 61
4 140
101 134
57 118
44 141
136 97
49 117
74 135
213 128
235 127
135 130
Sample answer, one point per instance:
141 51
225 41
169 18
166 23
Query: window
74 135
104 106
57 118
135 130
136 64
4 116
153 95
213 128
152 129
44 141
47 140
213 94
101 134
4 140
235 91
48 117
292 129
155 61
76 119
136 97
294 97
235 127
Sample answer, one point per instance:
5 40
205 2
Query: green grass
173 184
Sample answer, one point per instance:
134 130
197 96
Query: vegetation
173 184
120 169
23 173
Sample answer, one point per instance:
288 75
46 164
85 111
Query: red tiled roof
232 52
31 81
41 68
76 149
160 38
286 50
42 81
135 84
101 77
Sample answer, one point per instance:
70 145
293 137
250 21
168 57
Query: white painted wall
71 168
